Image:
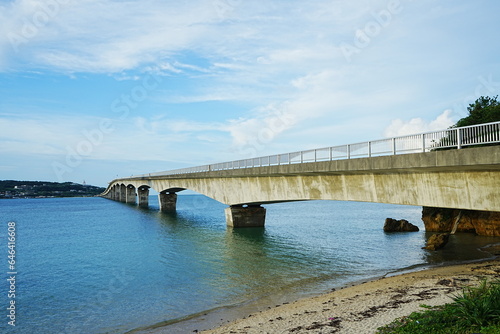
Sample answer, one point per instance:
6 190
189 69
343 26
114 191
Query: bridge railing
488 133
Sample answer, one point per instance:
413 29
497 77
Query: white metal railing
488 133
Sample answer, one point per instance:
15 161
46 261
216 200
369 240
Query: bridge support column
250 216
116 193
111 193
168 201
123 193
143 196
130 196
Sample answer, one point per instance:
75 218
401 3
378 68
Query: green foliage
479 306
439 320
475 310
483 110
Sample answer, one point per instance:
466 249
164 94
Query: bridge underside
463 179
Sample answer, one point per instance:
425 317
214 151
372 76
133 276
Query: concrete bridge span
462 179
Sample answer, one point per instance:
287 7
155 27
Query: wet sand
364 307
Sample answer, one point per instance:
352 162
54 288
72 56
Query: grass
474 310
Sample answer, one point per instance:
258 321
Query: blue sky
91 90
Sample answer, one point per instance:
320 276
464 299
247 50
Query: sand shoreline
363 307
356 307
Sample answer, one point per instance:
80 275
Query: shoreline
359 306
219 317
362 308
242 317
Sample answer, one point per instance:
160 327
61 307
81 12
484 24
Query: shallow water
90 265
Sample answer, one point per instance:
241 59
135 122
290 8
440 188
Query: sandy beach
364 307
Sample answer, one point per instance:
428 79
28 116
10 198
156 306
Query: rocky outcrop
485 223
393 225
437 241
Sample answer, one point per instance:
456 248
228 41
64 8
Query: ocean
92 265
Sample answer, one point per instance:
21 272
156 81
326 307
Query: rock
437 241
485 223
393 225
443 219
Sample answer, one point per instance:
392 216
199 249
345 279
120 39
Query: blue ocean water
91 265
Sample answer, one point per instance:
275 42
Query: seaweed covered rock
393 225
437 241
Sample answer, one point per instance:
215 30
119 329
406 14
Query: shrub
475 309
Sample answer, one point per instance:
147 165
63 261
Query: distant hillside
41 189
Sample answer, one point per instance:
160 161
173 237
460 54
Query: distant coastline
10 189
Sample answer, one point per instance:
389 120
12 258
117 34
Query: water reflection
309 246
154 267
460 247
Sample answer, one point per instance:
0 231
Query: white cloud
110 36
245 136
251 135
279 62
399 127
142 138
102 36
163 125
38 135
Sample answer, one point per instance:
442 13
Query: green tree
484 110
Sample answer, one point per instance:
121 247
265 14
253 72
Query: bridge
454 168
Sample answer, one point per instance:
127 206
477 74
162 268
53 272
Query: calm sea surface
91 265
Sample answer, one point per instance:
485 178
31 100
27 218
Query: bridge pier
123 193
249 216
168 201
130 196
111 194
116 193
143 196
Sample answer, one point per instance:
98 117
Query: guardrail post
331 153
423 142
393 146
369 149
301 157
459 138
348 151
315 156
289 160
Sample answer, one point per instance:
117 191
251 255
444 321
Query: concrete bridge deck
463 179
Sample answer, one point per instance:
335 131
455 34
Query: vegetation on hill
484 110
38 189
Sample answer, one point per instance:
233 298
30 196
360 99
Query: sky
91 90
